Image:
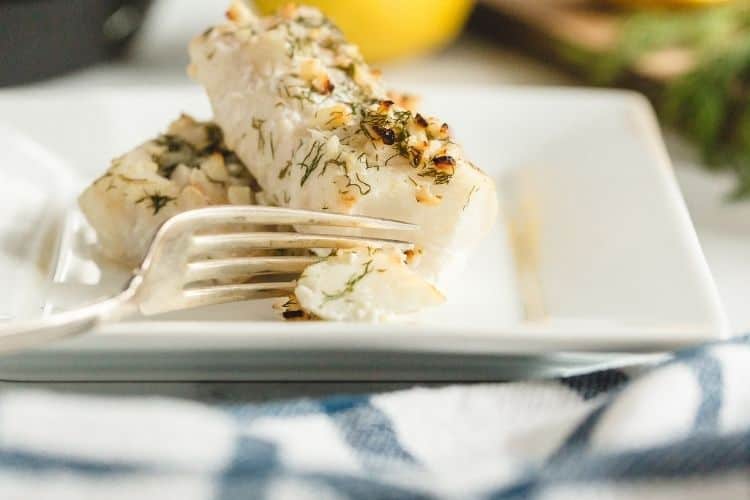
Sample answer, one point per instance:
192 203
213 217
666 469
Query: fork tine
193 297
209 217
247 266
203 244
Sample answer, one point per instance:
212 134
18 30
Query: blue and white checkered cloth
676 431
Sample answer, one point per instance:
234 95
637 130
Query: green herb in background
710 100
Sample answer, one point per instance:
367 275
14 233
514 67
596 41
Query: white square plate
595 253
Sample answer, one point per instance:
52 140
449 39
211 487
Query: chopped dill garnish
349 69
296 150
359 186
285 171
215 181
335 115
299 92
350 284
247 28
390 127
334 161
468 198
273 149
308 22
311 160
178 152
157 200
294 45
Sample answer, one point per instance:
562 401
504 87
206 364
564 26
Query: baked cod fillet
187 167
317 130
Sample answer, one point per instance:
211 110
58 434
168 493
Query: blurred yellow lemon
387 29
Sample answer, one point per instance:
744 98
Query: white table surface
159 58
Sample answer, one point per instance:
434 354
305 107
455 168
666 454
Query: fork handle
33 333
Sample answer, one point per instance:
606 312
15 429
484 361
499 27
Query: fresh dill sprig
438 176
363 158
158 201
334 161
177 151
710 102
362 186
391 128
298 92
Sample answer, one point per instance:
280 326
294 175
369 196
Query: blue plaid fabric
675 431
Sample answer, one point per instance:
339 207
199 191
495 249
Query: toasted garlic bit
404 100
338 115
444 163
437 130
239 195
313 72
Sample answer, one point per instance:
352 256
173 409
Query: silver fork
181 269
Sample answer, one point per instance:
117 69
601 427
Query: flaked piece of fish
364 285
188 167
318 131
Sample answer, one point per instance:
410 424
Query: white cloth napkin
680 430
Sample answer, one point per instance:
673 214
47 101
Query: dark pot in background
44 38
